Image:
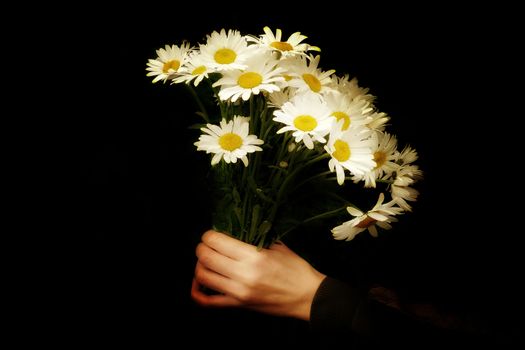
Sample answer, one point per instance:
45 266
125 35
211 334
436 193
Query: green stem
349 178
265 126
317 159
311 178
299 168
341 199
278 159
324 215
286 182
251 106
204 113
264 197
385 181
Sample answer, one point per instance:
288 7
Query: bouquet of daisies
285 137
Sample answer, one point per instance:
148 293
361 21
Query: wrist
304 309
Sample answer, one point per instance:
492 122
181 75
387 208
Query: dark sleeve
341 312
339 308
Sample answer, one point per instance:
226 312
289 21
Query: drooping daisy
194 69
381 215
352 112
400 189
307 77
229 141
351 88
291 47
168 62
307 116
384 151
260 75
404 194
406 175
350 149
377 121
407 156
226 51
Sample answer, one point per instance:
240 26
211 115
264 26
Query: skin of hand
274 281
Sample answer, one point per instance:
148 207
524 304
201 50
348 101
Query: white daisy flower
407 175
168 62
406 156
380 215
350 149
226 51
279 98
351 112
307 77
307 116
229 141
351 88
290 65
260 75
194 69
400 189
404 194
377 121
291 47
384 151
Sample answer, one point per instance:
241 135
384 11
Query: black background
140 194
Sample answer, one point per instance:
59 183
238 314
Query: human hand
275 281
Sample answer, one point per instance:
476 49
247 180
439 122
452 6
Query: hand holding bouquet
285 137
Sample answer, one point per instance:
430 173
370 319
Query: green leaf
197 126
264 228
236 196
201 114
255 220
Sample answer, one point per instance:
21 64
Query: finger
217 262
211 300
228 246
213 280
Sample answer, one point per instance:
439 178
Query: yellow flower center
342 151
198 70
313 83
345 117
305 123
366 222
287 77
225 56
249 80
230 141
379 158
173 64
281 45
